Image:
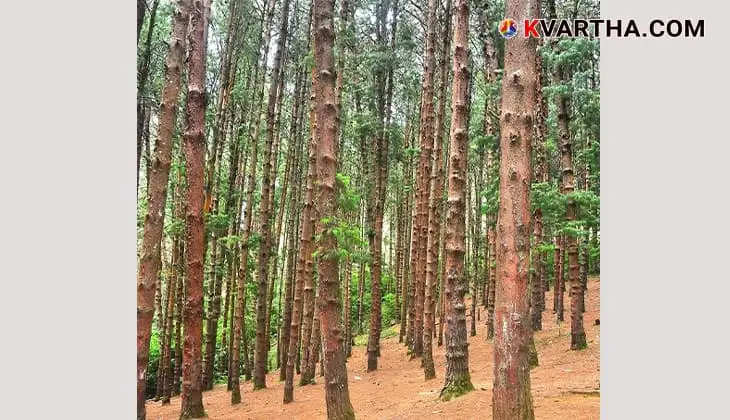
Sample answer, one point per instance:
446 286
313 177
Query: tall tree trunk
167 338
309 309
261 350
290 311
192 396
435 206
315 344
239 309
577 334
327 115
346 312
420 225
304 274
149 263
511 396
381 166
457 378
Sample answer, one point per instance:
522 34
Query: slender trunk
309 286
346 314
511 396
289 309
457 378
192 396
435 206
149 264
304 275
327 115
314 345
420 225
160 322
560 279
143 108
262 339
475 256
577 334
177 370
167 339
240 307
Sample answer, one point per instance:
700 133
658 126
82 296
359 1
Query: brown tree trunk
192 396
261 350
511 396
423 191
577 334
292 314
327 115
435 206
457 378
560 278
149 263
304 274
309 320
381 172
167 339
239 309
346 312
315 342
178 314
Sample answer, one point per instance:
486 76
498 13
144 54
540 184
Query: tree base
372 362
193 413
456 388
288 395
578 341
306 381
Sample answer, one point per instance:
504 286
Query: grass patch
362 339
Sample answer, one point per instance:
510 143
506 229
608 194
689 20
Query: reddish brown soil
564 386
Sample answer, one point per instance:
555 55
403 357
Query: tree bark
511 396
457 378
192 396
327 115
420 225
149 264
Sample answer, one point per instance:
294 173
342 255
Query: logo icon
508 28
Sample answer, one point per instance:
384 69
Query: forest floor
566 385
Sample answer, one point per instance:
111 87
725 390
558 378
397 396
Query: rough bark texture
423 190
436 205
513 333
308 320
327 114
192 396
149 264
304 271
457 378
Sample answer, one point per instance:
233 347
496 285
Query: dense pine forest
335 196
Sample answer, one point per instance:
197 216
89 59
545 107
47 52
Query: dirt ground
565 385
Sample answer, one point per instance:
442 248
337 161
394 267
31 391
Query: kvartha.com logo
598 28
